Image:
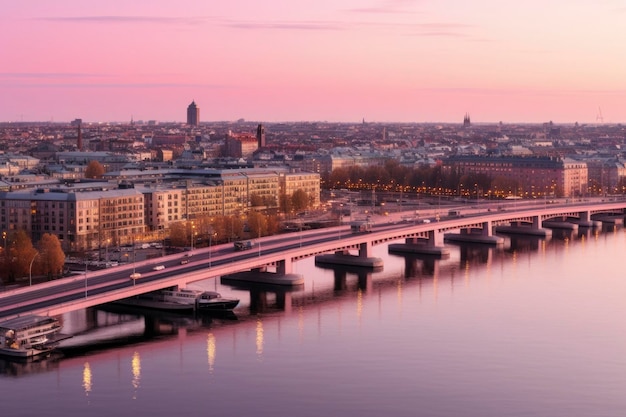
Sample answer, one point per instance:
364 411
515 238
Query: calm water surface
532 329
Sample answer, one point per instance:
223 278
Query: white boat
180 300
29 336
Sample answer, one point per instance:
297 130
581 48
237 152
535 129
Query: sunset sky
322 60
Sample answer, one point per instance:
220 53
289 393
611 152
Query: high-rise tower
193 114
466 120
260 136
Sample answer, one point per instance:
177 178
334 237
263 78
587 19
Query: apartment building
81 220
140 202
534 175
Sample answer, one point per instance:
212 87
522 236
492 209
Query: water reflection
108 328
136 369
210 351
259 339
87 378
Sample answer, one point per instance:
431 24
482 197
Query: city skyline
340 61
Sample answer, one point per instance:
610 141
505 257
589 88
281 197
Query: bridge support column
365 250
584 220
435 238
284 267
283 301
365 281
536 222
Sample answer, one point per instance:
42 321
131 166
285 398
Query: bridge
280 252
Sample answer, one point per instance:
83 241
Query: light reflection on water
533 328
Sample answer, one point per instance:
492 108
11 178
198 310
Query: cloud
386 7
268 25
450 30
287 25
115 85
48 75
127 19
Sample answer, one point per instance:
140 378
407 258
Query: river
535 328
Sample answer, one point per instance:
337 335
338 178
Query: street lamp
30 270
211 233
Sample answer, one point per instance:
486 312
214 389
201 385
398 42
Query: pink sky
339 60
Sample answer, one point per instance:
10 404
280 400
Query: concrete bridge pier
364 279
476 254
433 246
284 267
340 279
481 235
584 220
521 243
258 301
343 257
283 301
282 277
521 228
415 266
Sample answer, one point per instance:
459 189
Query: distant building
260 136
534 176
240 145
466 120
193 114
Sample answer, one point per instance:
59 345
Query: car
159 267
184 261
135 275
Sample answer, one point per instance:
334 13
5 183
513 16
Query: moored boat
180 300
29 336
211 300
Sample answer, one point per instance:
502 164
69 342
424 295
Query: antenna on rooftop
599 117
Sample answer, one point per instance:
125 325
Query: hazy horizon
387 61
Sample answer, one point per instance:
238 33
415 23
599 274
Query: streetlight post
86 276
210 245
30 270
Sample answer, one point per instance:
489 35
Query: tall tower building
466 120
193 114
260 136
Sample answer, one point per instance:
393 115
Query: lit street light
210 244
106 253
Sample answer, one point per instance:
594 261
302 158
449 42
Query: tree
256 200
94 170
19 255
257 223
299 200
273 225
178 234
285 203
51 257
